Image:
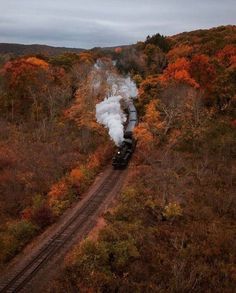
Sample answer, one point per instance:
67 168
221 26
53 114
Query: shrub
15 237
58 207
172 210
42 216
76 176
59 190
23 230
9 247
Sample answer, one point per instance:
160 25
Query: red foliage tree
227 55
202 71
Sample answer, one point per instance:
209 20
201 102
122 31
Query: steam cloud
109 112
124 87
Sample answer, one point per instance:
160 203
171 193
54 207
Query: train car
125 151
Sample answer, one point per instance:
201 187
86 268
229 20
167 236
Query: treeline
23 50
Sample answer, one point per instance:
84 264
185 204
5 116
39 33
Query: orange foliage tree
143 136
33 89
147 131
149 89
25 85
20 71
179 72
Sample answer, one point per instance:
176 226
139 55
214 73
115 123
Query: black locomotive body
126 149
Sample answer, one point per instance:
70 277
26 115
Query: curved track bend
29 274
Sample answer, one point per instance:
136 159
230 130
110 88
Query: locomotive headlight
118 152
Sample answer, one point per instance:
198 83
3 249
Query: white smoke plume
109 112
124 87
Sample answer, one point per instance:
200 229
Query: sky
101 23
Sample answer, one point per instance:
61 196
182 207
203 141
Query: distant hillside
207 41
19 49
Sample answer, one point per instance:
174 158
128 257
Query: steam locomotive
126 149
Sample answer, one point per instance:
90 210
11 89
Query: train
126 149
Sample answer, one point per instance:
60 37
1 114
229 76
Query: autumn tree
32 88
90 91
182 51
202 71
149 130
20 81
179 72
227 55
150 88
224 89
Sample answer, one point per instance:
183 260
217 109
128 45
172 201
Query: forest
173 227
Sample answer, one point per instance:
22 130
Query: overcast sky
90 23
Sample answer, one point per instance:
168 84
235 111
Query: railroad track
80 221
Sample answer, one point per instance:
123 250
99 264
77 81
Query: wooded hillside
174 227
